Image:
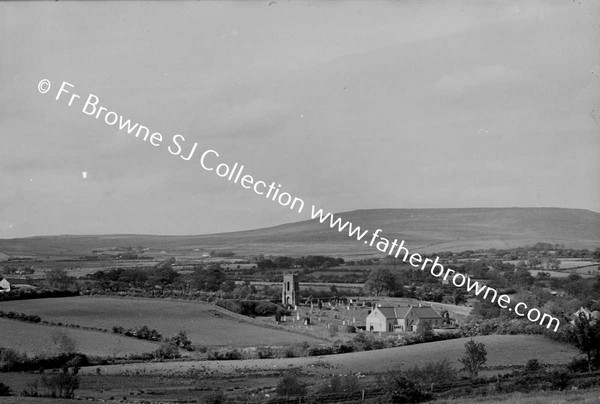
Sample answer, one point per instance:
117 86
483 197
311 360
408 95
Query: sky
347 105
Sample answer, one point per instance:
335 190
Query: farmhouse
4 285
402 319
590 315
8 284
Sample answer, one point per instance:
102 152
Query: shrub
224 354
251 308
264 353
559 378
167 350
4 390
533 366
320 350
62 384
231 305
182 341
266 308
289 352
402 390
362 342
578 365
290 385
10 359
31 390
342 388
440 372
214 397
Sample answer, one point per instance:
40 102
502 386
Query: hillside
425 230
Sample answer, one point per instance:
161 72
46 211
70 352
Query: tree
290 386
181 340
426 331
228 286
164 275
167 350
534 262
402 390
475 357
65 344
585 335
209 279
4 390
380 280
58 279
62 384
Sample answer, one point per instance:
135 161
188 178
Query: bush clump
224 354
4 390
250 308
167 350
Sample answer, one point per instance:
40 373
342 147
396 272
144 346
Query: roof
387 312
588 313
13 279
426 312
402 312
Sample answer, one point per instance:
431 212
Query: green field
503 350
590 396
204 323
37 339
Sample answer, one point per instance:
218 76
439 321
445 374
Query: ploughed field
205 324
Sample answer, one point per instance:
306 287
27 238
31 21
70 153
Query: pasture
588 396
37 339
503 350
205 324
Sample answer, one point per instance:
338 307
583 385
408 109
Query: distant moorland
425 230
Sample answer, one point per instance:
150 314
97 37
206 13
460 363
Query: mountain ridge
425 229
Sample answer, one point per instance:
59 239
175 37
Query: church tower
291 289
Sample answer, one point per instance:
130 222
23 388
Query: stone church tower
291 289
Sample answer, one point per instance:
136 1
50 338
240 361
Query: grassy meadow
205 324
37 339
503 350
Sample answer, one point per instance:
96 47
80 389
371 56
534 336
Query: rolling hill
424 230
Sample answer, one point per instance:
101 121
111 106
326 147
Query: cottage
4 285
402 319
8 284
590 315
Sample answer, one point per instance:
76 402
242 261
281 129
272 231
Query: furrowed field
205 324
